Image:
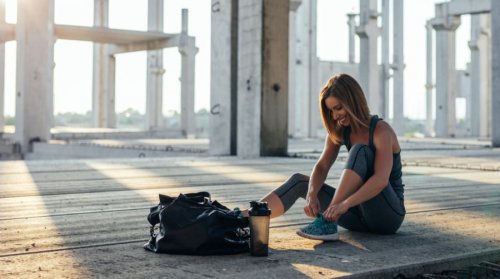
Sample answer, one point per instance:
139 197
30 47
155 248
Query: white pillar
398 68
34 75
445 27
304 63
155 71
368 33
314 82
352 37
429 85
495 74
292 57
479 73
103 94
223 73
384 87
2 70
263 78
188 51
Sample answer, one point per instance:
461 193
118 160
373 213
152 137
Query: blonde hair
349 93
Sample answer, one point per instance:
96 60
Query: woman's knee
360 160
296 177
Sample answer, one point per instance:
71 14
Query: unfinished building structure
35 34
474 84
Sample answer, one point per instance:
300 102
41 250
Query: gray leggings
382 214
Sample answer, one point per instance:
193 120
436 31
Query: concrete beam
34 72
463 7
495 74
107 35
155 70
223 76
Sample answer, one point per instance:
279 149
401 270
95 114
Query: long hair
349 93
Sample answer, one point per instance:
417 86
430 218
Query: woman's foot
320 229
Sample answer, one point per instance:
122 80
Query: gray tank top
395 178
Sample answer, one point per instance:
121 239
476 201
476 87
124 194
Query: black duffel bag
193 224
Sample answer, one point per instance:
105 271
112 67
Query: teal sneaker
320 229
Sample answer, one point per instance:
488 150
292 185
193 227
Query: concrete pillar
263 78
384 86
495 74
445 26
155 71
35 71
188 51
398 68
351 22
429 85
292 57
368 33
103 93
223 90
304 56
314 82
2 71
479 73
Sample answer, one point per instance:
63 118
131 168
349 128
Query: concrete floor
87 218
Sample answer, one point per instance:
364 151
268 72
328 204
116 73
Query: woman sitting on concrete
369 195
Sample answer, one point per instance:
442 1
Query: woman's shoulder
383 128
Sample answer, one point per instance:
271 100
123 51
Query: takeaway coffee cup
259 215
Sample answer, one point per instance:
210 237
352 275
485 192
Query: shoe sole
327 237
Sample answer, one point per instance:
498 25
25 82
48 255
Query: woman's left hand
334 211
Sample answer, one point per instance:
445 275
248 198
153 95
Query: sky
73 59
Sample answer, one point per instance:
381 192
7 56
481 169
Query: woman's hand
334 211
312 206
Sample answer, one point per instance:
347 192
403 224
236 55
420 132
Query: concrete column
35 71
223 76
398 68
445 27
352 37
314 82
480 58
155 71
302 69
292 57
188 51
103 94
368 33
429 85
384 87
2 71
495 74
263 78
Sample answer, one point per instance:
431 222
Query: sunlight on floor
49 236
136 179
313 271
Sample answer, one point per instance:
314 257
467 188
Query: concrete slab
86 218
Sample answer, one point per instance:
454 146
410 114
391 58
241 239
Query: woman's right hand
312 207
